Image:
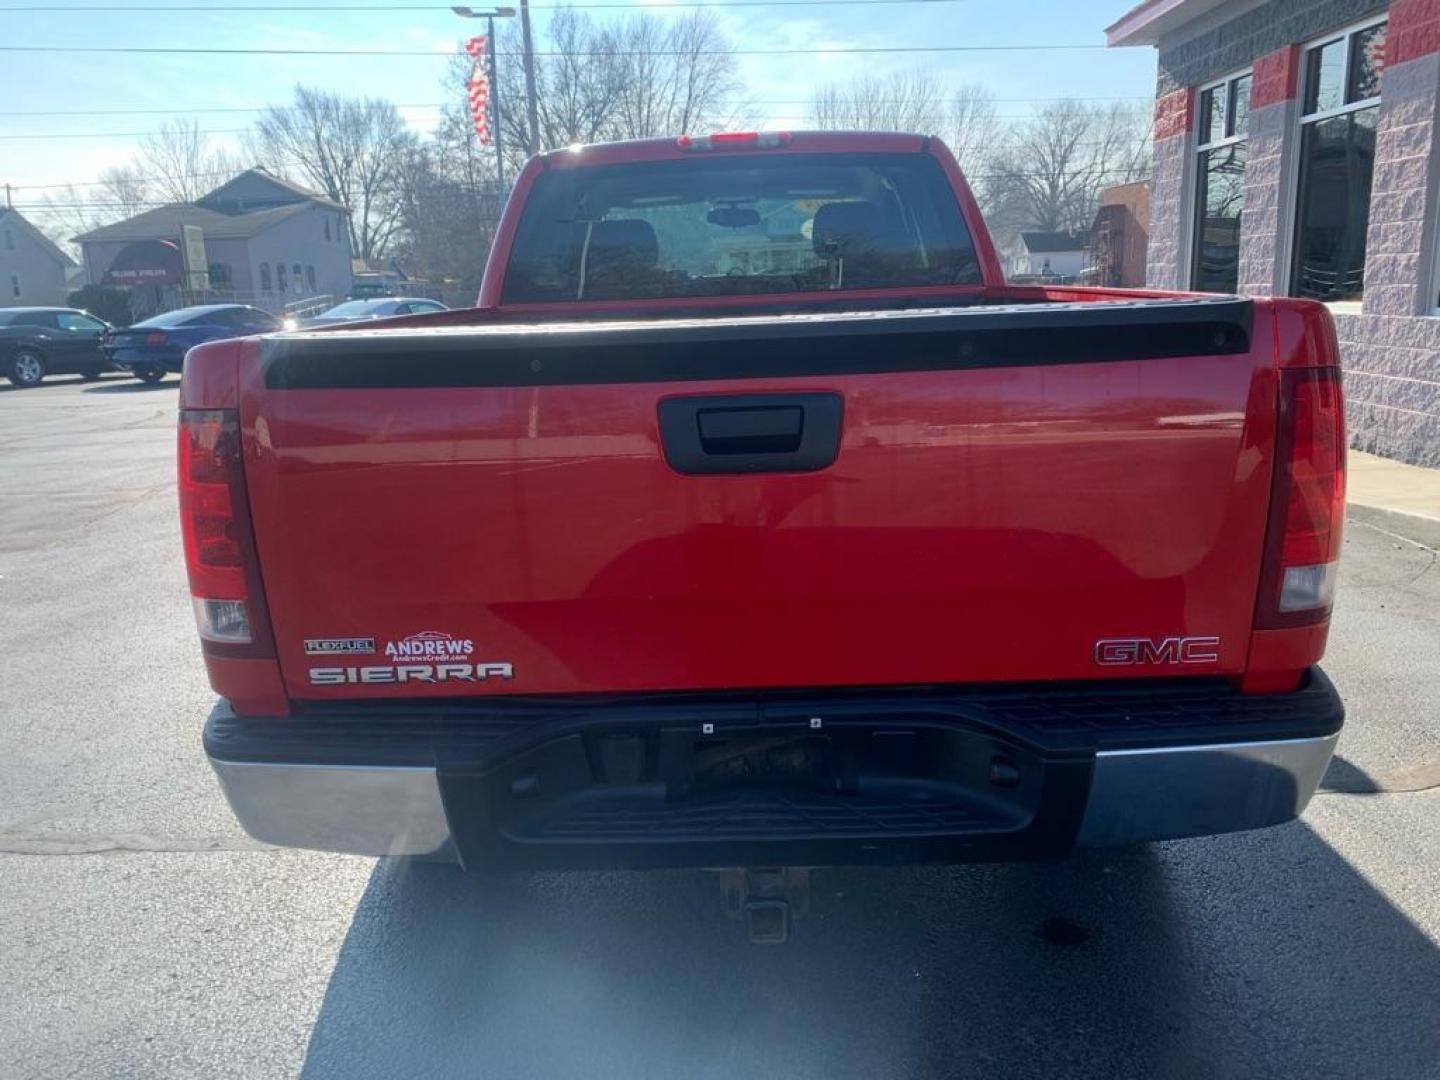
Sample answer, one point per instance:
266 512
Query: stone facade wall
1265 216
1390 347
1167 256
1391 350
1235 44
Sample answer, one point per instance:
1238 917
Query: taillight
735 140
155 337
1307 508
215 527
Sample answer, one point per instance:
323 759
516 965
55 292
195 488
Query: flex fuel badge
430 656
338 646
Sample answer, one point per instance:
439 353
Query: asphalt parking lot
145 936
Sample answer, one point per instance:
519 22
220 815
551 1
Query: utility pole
531 98
495 104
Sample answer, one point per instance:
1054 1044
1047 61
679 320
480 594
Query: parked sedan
40 341
355 310
157 345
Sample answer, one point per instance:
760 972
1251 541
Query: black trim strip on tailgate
850 343
1051 718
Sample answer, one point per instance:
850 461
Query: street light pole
494 76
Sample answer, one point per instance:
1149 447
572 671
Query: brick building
1120 235
1296 153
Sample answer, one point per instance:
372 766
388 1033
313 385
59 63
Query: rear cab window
739 225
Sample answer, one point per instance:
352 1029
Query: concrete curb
1422 530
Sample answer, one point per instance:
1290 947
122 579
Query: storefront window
1341 107
1224 120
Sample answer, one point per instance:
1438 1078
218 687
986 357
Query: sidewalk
1404 499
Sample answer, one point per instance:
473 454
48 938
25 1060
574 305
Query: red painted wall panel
1276 77
1414 30
1173 113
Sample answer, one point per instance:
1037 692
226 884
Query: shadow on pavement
1262 954
133 386
6 386
1344 776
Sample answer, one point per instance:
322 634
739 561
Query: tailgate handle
743 433
770 429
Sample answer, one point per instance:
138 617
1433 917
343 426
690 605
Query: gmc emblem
1118 652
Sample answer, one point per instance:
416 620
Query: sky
92 88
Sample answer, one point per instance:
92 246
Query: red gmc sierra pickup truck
752 519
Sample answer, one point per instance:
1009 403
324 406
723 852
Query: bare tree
1049 173
578 85
675 78
972 129
643 77
352 149
449 201
176 164
903 101
71 211
129 190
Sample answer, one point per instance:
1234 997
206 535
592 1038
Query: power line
148 204
288 8
443 104
46 135
117 134
158 50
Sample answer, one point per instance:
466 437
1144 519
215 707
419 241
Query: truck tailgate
496 510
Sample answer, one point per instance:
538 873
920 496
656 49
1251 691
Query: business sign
197 267
146 262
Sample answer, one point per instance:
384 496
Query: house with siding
267 242
1296 154
32 268
1046 254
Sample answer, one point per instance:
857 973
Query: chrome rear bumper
1178 791
355 809
1135 795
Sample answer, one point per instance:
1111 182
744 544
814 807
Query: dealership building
256 239
1296 155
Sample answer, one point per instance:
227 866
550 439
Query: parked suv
40 341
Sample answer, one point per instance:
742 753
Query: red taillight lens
1307 509
735 140
219 553
155 337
